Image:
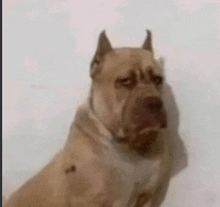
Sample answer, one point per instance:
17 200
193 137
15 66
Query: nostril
155 105
164 125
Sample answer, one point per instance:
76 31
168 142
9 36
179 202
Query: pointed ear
148 42
103 48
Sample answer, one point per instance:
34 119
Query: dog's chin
144 141
140 141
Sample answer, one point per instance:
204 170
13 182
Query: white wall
47 49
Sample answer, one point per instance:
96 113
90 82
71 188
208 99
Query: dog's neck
88 122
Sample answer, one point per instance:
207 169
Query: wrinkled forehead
124 60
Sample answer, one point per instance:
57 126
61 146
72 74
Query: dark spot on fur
71 169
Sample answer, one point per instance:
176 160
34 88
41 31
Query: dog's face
126 90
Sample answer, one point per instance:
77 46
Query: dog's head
126 90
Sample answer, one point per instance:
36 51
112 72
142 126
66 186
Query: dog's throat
141 144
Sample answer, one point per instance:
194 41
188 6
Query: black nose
153 103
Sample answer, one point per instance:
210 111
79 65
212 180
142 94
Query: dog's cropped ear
103 48
148 42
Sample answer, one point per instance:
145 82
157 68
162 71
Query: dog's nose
153 103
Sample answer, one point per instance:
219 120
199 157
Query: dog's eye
157 80
125 81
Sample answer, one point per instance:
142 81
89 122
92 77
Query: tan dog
116 154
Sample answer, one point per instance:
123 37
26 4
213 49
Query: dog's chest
133 173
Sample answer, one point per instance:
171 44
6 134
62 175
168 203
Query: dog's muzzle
148 113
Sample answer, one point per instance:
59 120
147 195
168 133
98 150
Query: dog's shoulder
76 176
44 189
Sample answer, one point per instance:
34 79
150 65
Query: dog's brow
136 66
132 74
136 70
152 70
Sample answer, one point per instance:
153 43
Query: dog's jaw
142 143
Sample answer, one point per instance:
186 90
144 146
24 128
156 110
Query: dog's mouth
142 123
141 129
146 119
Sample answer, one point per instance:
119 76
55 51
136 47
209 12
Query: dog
116 154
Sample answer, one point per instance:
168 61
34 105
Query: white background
48 45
